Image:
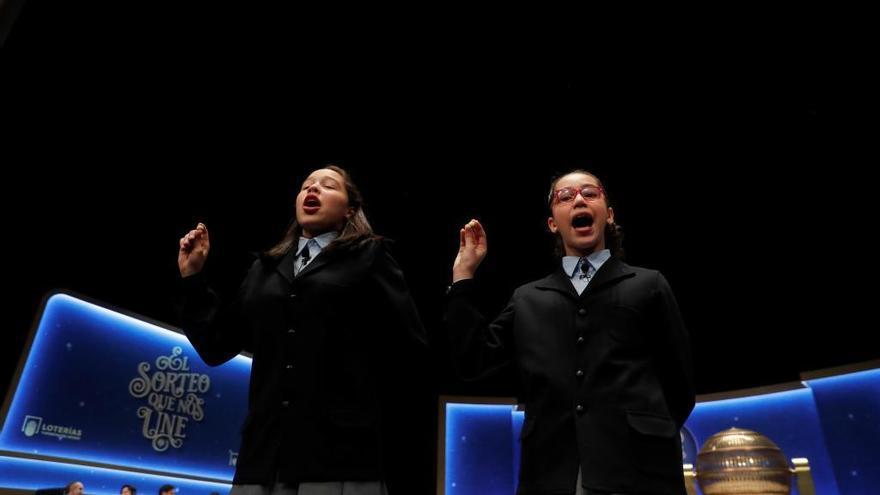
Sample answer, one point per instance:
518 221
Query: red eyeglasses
589 192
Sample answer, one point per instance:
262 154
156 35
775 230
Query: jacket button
579 408
285 403
580 340
580 373
289 366
582 311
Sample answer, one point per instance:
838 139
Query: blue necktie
305 255
585 270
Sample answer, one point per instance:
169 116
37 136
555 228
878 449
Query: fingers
461 238
479 233
197 235
469 239
186 243
473 234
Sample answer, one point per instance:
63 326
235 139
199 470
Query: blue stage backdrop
831 421
109 398
106 396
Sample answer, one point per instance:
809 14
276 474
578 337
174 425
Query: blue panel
99 386
789 419
849 408
517 419
26 474
835 418
479 449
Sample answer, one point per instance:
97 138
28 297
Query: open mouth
311 204
582 220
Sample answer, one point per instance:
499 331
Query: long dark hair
355 232
613 231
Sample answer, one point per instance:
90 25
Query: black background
126 125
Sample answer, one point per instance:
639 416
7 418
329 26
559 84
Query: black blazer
606 377
326 344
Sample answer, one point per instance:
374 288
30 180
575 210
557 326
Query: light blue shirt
572 267
315 245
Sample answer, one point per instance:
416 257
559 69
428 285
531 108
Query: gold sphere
742 462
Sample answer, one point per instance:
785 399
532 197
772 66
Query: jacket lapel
559 282
285 265
320 260
609 273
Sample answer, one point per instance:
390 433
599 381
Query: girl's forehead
576 179
325 173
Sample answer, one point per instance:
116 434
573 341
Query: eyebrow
320 179
582 185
